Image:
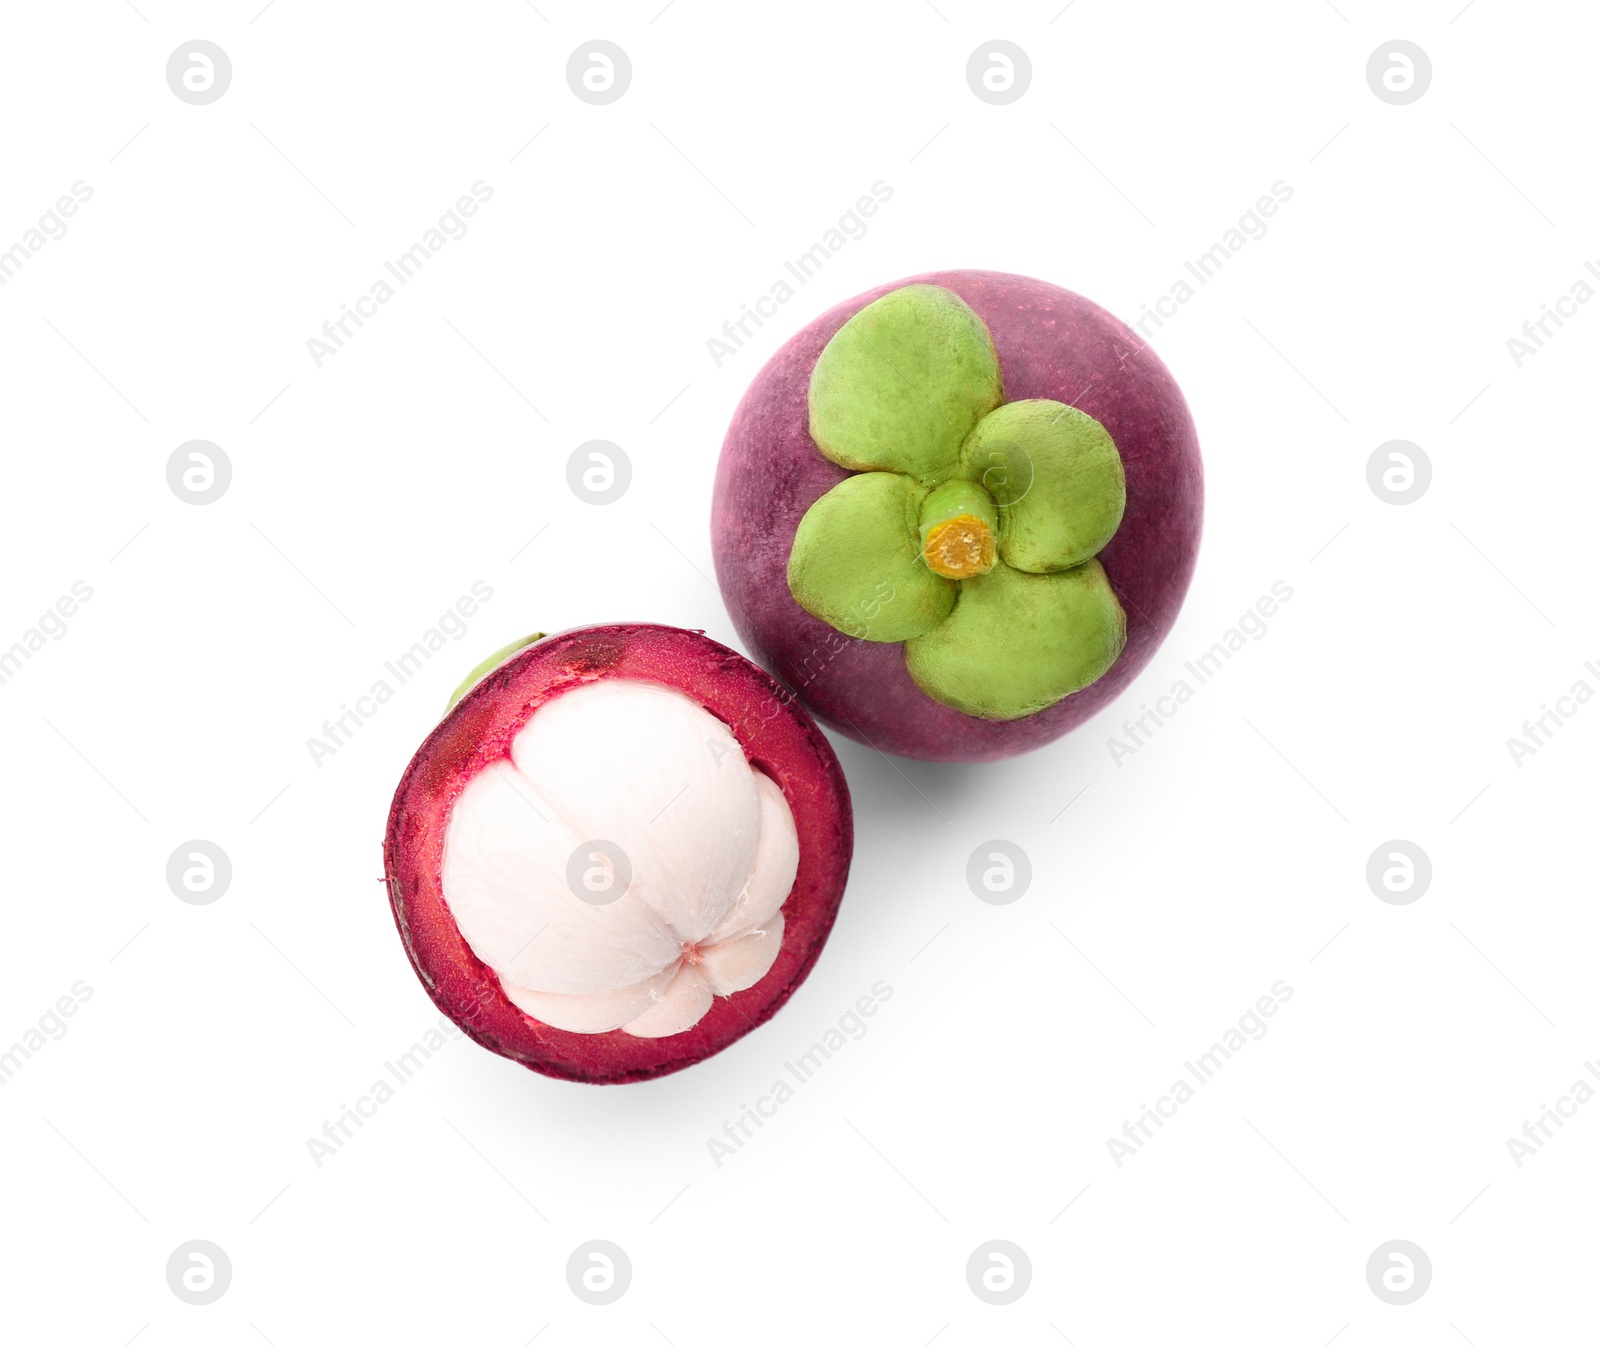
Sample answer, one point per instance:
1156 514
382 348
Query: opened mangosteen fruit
958 514
621 850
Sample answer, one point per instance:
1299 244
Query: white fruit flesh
709 841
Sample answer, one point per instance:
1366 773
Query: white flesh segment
647 768
683 1006
777 859
711 842
505 881
598 1013
743 960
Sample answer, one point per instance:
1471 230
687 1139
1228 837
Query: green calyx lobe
970 527
856 563
1057 479
488 666
1017 643
902 383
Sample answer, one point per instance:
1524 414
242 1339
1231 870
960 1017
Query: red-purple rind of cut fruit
778 738
1053 344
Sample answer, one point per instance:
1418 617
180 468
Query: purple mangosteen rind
922 682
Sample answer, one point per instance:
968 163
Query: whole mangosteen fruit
958 514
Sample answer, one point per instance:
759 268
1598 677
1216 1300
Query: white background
368 494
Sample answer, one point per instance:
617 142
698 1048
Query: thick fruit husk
1051 344
778 738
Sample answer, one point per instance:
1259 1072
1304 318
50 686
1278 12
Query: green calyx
970 527
488 666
